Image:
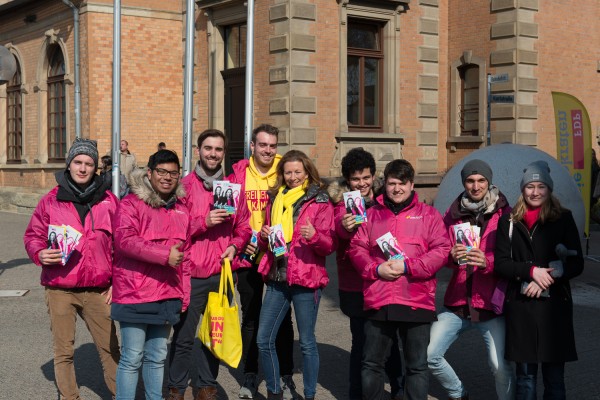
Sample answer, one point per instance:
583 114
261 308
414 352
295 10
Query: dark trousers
184 335
393 365
553 375
250 285
380 338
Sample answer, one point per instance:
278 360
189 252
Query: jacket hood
338 187
140 186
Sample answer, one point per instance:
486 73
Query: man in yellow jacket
256 175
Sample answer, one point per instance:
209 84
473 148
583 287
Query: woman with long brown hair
538 250
300 208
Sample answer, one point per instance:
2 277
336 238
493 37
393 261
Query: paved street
26 367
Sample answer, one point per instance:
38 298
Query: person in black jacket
538 306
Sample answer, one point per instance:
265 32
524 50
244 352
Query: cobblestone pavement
26 368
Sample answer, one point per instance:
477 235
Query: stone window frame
41 88
386 13
4 104
455 97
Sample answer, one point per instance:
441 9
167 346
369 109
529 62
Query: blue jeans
145 346
380 338
553 376
446 330
278 299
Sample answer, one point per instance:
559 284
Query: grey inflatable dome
507 162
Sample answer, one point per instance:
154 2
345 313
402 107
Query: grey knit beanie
474 167
83 146
537 171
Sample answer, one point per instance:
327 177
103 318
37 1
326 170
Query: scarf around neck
486 205
283 208
208 180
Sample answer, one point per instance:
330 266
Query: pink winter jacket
209 243
422 236
144 232
90 265
484 280
306 259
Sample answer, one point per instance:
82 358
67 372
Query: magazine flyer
355 205
391 250
467 235
253 241
219 189
277 241
226 196
65 238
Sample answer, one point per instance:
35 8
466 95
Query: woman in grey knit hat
538 306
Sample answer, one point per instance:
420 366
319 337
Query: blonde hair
551 209
309 167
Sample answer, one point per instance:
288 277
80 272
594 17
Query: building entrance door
235 81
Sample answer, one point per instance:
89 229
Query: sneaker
288 388
250 387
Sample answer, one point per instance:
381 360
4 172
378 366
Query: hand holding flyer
63 237
355 205
277 241
390 248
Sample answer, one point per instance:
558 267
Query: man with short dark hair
256 175
214 235
399 293
358 170
468 301
77 272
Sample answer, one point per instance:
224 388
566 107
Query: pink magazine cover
390 247
277 241
355 205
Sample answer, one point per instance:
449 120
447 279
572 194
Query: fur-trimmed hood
338 187
140 186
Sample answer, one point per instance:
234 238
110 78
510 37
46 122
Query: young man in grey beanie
468 300
78 274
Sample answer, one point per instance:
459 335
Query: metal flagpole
249 105
188 94
116 98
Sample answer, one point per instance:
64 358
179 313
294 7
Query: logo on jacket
414 217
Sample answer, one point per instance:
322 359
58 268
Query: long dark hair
296 155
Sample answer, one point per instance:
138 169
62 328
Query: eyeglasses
164 172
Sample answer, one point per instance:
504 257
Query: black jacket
538 330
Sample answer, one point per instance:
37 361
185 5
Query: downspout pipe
77 85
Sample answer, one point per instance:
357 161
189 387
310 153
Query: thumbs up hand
307 230
175 256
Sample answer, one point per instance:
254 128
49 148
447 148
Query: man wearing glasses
151 283
214 235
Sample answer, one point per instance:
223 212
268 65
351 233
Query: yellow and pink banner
574 144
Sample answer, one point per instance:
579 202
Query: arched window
14 121
57 116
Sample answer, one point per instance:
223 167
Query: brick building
402 78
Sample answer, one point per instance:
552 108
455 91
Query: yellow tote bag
220 330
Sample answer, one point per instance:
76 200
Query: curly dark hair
357 159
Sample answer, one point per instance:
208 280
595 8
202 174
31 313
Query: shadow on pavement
88 371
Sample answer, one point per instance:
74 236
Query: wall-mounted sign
503 98
498 78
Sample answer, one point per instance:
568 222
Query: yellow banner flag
574 144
